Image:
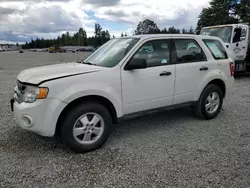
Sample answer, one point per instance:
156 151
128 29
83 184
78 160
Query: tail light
231 64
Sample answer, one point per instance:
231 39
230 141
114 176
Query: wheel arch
94 98
218 82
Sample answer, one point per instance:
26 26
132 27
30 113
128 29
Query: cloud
44 19
101 3
34 0
13 37
4 11
49 18
164 13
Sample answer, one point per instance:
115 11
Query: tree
172 30
37 43
75 39
78 38
98 30
147 27
58 41
125 35
42 43
105 36
220 12
205 18
184 31
191 30
26 46
242 9
165 31
82 37
68 39
98 34
85 38
63 39
122 35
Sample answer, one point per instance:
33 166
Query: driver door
153 86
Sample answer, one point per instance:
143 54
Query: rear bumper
239 66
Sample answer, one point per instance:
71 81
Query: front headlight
33 93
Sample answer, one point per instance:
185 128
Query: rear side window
188 51
216 48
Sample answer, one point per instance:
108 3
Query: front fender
81 90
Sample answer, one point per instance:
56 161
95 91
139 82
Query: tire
200 109
86 111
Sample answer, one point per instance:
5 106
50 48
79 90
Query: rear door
191 67
219 53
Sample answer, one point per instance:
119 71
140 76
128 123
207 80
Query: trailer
237 40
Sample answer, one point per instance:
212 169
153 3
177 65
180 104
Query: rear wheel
210 102
86 127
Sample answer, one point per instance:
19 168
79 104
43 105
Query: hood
50 72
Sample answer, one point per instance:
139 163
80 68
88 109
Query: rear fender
213 75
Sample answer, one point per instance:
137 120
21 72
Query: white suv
81 102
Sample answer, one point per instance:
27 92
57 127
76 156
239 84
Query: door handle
165 73
203 68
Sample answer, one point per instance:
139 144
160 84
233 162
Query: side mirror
136 64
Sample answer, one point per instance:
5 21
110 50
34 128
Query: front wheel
86 127
210 102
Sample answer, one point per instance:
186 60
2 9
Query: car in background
55 49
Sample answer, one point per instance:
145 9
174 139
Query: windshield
224 33
112 52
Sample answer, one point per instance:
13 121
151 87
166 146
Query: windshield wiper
88 63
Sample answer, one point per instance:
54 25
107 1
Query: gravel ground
168 149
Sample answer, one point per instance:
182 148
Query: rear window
216 48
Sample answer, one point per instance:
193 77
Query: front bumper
39 117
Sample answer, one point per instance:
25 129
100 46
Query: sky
25 19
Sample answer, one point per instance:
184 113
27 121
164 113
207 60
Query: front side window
216 48
156 53
188 51
112 52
